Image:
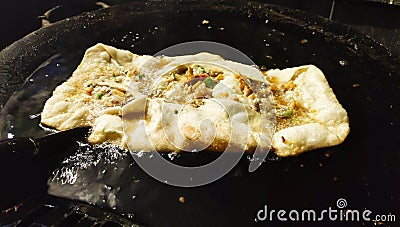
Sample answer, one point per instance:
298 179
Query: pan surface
364 170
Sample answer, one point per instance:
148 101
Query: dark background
379 19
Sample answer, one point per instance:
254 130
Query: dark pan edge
17 57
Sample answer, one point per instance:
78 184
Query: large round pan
364 170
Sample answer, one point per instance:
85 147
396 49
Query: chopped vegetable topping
176 76
99 95
141 76
195 80
288 113
113 75
209 82
89 90
202 70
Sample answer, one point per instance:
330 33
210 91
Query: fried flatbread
308 114
194 102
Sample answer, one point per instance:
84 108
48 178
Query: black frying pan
364 76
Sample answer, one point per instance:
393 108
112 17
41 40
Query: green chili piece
209 82
288 113
99 95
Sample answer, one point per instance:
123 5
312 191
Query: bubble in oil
343 62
